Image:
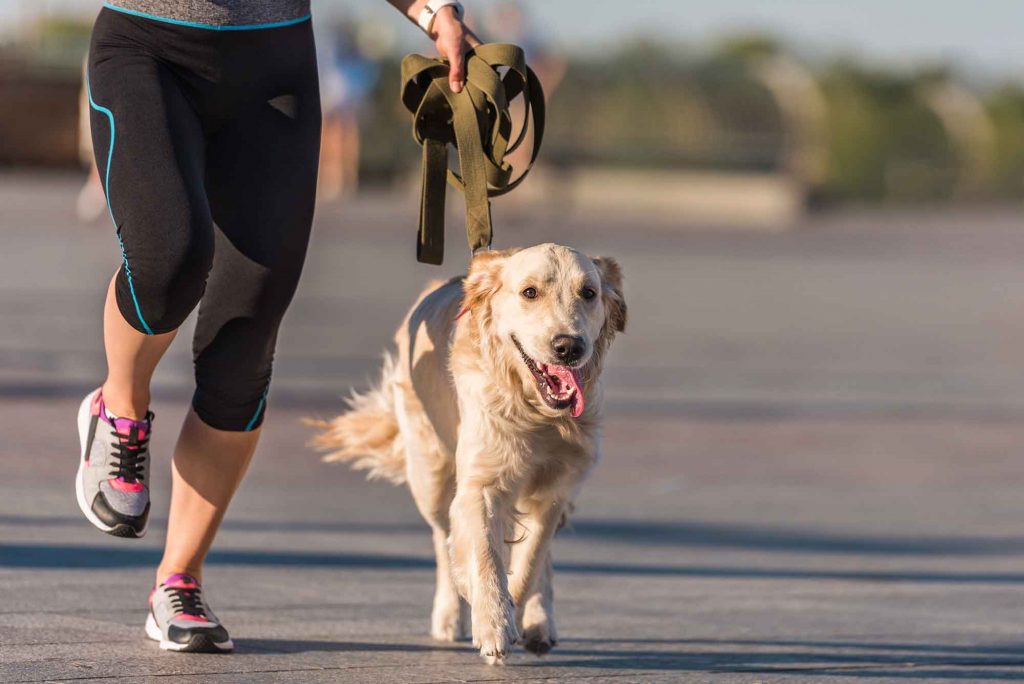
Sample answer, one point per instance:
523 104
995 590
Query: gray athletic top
217 14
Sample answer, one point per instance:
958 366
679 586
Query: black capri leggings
208 143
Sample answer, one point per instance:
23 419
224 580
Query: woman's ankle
165 571
131 403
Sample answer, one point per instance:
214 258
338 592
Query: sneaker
112 474
181 621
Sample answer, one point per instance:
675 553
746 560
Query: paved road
813 467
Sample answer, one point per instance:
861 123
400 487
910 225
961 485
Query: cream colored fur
458 416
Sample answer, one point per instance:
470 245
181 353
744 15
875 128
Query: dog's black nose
568 348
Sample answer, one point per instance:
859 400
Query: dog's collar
462 312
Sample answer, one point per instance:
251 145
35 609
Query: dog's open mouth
561 387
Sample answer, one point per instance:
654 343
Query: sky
983 36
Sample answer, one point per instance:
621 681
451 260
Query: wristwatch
429 12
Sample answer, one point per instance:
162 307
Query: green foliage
1006 109
884 141
646 104
59 41
648 107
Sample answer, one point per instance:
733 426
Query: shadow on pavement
1008 649
338 527
783 540
320 646
810 658
67 556
657 533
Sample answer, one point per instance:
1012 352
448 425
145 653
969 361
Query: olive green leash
478 123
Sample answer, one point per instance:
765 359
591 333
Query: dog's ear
611 292
484 278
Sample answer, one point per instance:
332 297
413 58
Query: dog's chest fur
516 445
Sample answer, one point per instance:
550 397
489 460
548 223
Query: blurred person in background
203 111
512 23
347 79
90 202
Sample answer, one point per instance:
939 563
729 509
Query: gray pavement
813 467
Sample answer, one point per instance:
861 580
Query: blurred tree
799 102
1006 109
649 106
749 46
969 129
885 143
58 40
747 105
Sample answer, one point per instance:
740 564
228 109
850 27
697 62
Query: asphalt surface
813 467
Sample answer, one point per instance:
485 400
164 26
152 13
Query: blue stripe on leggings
106 188
208 27
259 410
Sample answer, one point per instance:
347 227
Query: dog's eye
530 293
588 293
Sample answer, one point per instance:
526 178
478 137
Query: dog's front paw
496 641
494 635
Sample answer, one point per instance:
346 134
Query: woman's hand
449 34
453 39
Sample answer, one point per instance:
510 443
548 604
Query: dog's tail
367 435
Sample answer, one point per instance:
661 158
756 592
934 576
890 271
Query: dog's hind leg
449 620
537 616
433 491
432 483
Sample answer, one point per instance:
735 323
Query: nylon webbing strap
477 121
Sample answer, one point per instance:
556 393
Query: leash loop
478 123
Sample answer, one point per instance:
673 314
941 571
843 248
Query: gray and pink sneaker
181 621
113 470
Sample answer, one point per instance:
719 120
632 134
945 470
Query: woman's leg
262 198
207 468
150 151
131 359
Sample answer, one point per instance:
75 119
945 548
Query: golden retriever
491 413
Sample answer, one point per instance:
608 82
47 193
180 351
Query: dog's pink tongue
570 377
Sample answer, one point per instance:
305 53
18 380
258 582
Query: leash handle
478 123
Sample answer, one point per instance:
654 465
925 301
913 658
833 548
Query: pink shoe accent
121 425
189 616
124 426
122 486
180 580
96 408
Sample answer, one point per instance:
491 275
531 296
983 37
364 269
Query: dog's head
549 313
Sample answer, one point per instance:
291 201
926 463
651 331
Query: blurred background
815 417
665 108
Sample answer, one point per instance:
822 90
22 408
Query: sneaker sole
84 417
199 643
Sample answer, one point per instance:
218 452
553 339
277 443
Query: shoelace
129 454
188 601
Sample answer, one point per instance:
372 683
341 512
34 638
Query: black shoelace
187 601
129 454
